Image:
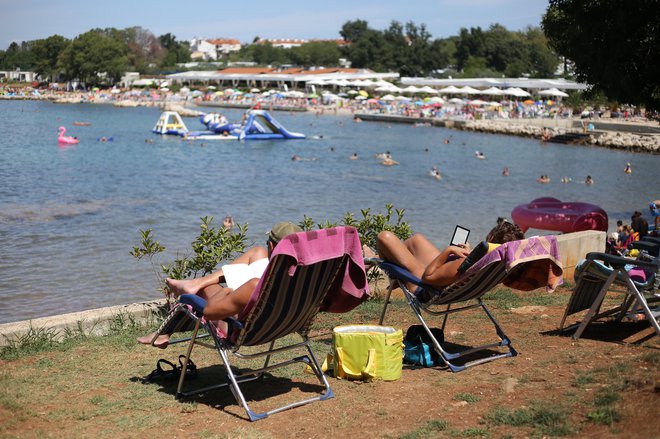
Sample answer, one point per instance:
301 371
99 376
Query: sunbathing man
223 302
434 267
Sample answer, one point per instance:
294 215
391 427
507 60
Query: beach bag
367 352
418 346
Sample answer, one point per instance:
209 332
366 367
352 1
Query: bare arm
440 272
231 304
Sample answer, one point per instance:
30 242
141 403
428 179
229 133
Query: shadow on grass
610 331
266 387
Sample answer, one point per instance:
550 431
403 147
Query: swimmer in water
628 169
505 171
589 180
435 173
354 156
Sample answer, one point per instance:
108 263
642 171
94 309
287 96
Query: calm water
69 216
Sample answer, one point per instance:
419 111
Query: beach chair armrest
399 273
195 302
198 304
651 247
619 261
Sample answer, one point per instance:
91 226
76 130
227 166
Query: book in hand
237 274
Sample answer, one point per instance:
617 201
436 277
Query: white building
18 75
225 46
202 49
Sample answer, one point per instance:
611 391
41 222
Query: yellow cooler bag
367 352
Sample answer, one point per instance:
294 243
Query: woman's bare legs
215 292
192 286
414 254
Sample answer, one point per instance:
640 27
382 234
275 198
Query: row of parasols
388 87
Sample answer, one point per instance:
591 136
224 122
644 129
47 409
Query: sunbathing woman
223 302
434 267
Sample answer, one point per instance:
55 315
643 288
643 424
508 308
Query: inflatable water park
256 125
562 216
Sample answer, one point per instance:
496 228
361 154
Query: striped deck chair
594 280
525 265
308 272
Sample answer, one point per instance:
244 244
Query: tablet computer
460 235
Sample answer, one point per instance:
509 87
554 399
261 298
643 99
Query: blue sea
69 216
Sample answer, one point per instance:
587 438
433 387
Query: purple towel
539 260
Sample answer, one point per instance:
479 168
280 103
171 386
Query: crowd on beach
513 116
619 240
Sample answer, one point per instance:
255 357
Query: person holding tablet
434 267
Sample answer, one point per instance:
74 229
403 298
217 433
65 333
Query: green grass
544 418
467 397
427 430
504 299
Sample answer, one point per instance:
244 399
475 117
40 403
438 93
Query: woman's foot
368 252
182 286
162 341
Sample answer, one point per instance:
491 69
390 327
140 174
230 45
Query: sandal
171 371
191 369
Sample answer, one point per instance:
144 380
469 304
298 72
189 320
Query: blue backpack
418 347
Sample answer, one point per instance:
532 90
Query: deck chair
526 264
308 272
601 273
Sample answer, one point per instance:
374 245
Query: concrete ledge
575 246
91 322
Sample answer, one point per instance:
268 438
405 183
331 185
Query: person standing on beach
654 207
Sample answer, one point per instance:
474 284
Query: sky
26 20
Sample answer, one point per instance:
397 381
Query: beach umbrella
211 87
436 100
468 90
352 92
402 98
528 102
387 98
428 90
381 83
254 90
477 102
494 104
456 101
449 90
229 91
553 92
410 89
492 91
362 83
515 91
360 98
363 93
342 95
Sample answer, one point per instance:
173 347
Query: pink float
552 214
65 140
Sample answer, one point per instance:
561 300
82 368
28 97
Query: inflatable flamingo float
65 140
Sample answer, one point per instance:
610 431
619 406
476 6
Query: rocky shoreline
644 142
647 143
